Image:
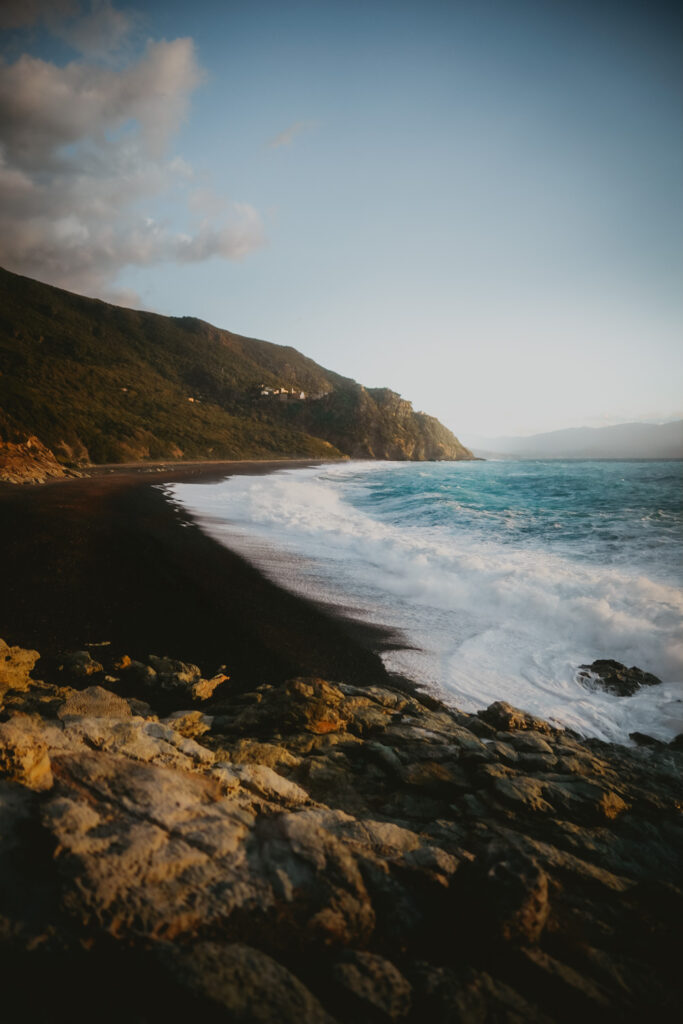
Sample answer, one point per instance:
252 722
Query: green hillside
98 383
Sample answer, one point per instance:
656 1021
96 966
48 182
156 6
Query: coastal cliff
95 383
316 852
376 423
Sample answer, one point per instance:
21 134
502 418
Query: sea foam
488 605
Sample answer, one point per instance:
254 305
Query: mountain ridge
621 440
97 383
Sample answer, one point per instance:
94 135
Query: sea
497 579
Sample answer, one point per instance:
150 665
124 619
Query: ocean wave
483 619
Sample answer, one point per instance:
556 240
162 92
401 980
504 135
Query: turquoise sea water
500 577
606 513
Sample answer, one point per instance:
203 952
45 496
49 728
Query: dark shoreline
106 559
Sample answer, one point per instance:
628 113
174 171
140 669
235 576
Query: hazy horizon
480 439
477 204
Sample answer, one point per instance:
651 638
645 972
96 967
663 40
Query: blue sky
475 203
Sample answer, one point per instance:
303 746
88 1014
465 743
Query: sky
476 203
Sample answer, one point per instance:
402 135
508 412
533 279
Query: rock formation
615 678
316 852
28 463
376 423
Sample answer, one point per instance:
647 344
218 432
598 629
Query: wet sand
106 559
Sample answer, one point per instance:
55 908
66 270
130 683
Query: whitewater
498 578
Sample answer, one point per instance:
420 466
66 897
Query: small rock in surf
615 678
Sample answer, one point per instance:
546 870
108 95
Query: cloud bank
84 152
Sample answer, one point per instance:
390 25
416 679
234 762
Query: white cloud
84 149
286 137
99 32
44 107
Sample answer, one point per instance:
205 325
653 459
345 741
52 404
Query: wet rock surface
315 851
615 678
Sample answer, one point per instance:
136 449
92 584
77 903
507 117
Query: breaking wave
501 578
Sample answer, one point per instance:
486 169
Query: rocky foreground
174 849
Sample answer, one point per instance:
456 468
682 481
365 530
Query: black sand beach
106 559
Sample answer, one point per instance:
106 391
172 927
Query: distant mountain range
96 383
623 441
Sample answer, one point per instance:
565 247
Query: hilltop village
287 394
281 393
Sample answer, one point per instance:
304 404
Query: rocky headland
175 846
95 383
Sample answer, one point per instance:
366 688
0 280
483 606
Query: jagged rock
370 981
306 863
581 797
644 740
503 717
432 859
467 996
580 995
174 675
16 665
136 673
524 790
248 986
516 897
529 742
308 706
615 678
205 687
140 708
177 677
250 751
262 781
356 850
191 724
95 702
536 762
149 851
36 698
23 754
166 680
28 463
140 739
503 751
386 698
80 665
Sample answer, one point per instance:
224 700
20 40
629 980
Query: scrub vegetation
98 383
